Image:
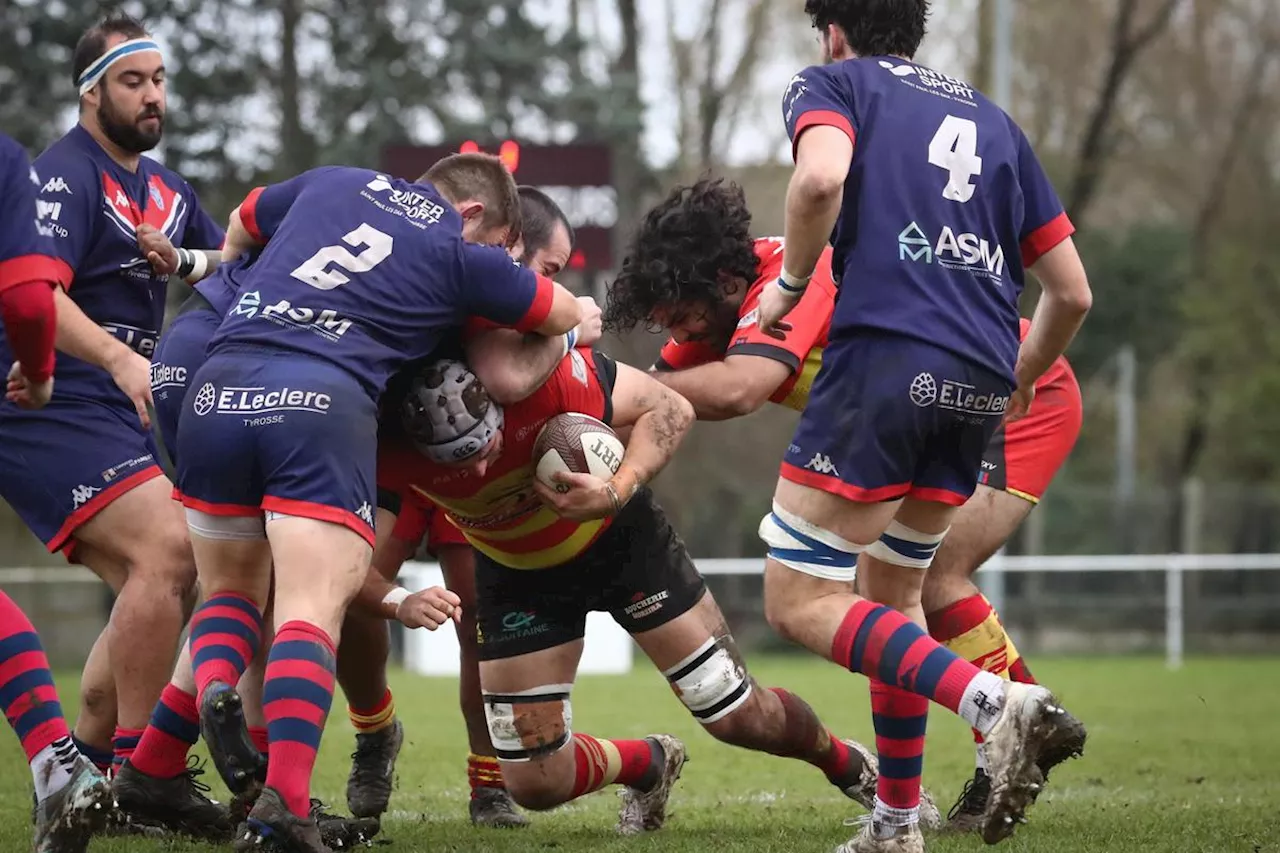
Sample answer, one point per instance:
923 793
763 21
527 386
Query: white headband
99 67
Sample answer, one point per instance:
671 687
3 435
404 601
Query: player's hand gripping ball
575 456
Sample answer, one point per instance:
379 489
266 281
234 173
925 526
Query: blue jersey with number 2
367 272
944 206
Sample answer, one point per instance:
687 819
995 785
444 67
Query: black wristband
186 263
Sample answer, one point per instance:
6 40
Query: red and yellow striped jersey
499 513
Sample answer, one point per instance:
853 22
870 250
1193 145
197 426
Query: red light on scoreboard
578 260
508 152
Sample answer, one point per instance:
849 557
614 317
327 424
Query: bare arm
512 366
1064 301
823 155
81 338
658 417
721 390
239 240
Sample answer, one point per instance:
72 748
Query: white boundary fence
1173 566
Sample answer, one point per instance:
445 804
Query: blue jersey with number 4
367 272
944 206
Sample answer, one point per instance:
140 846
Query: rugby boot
646 811
1031 725
966 814
906 839
494 808
343 833
178 803
373 768
271 826
66 819
226 735
861 786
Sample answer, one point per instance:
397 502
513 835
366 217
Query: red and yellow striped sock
375 719
484 771
599 762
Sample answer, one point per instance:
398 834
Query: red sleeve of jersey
25 268
830 118
576 386
30 323
541 306
249 214
677 355
809 322
396 461
1046 237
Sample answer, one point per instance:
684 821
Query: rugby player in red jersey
720 360
511 370
544 560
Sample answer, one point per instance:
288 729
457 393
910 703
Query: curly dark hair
874 27
683 247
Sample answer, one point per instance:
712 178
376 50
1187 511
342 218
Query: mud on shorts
62 465
891 416
638 571
279 433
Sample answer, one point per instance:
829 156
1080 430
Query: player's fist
776 303
591 329
158 250
585 496
132 375
27 394
430 608
1020 403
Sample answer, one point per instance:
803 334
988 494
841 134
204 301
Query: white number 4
314 271
955 148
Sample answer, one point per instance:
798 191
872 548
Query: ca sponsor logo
518 624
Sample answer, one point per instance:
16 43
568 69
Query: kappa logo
923 390
54 185
81 495
823 465
365 513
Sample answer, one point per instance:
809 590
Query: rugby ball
578 443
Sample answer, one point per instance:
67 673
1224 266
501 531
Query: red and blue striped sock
225 633
297 694
26 685
174 729
900 719
884 644
123 744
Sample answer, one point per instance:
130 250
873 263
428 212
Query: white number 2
955 148
314 271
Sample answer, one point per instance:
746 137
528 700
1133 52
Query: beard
128 133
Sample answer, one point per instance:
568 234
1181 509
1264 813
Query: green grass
1179 762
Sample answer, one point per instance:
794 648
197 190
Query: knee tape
232 528
709 682
902 546
530 723
805 547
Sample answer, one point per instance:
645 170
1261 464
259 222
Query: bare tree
1128 41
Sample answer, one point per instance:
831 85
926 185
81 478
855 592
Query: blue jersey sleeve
818 95
69 207
264 208
25 252
1045 223
202 231
498 289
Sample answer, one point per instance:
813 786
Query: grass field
1185 762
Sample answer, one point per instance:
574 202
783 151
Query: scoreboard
578 177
